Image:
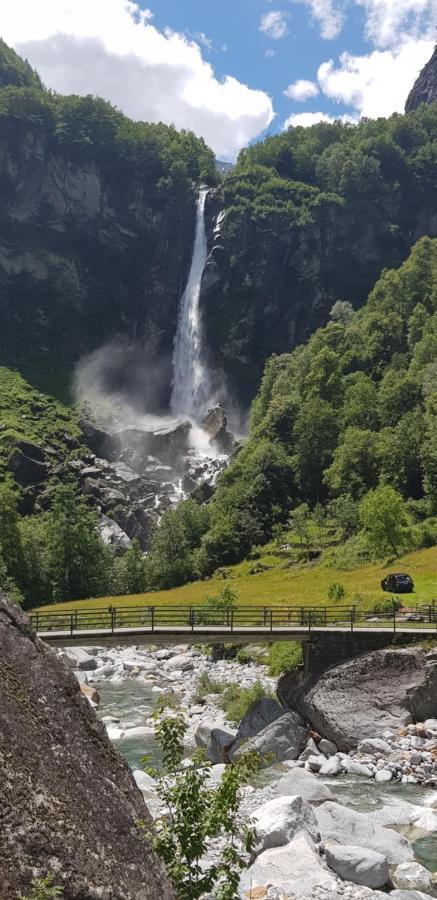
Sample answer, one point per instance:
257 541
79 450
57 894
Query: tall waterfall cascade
191 384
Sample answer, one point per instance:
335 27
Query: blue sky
232 70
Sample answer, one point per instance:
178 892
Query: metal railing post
113 614
309 620
394 619
232 619
352 620
193 618
271 620
152 617
71 623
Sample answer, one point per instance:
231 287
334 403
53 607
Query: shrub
206 685
236 700
196 815
283 656
336 592
43 889
387 605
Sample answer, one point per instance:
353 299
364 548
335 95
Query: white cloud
306 119
110 48
377 84
387 21
301 90
269 54
328 15
274 24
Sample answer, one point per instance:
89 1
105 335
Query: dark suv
398 583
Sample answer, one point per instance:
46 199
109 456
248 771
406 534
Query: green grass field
303 585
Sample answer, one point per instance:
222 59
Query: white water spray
191 387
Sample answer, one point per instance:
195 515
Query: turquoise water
425 849
132 702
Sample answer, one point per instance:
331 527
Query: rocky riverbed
329 824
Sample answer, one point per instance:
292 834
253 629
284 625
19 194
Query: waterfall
191 388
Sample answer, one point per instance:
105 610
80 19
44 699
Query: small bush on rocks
283 656
197 815
206 685
43 889
236 700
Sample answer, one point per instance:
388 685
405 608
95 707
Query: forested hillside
313 215
351 412
96 226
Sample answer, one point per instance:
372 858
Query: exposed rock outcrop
365 696
68 802
424 89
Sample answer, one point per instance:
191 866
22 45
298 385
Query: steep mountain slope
312 216
95 228
424 89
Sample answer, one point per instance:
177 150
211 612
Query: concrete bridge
340 631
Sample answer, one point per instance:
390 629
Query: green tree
11 550
384 518
78 563
299 521
43 889
130 572
196 814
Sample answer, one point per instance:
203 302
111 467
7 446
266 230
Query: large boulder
215 741
297 868
69 804
27 470
381 690
306 785
341 825
359 865
412 876
282 739
279 820
261 712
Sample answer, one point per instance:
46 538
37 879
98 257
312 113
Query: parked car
398 582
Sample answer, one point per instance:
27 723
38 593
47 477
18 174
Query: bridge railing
203 619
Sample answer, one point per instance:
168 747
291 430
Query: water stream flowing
190 389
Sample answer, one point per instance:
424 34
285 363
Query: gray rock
296 868
215 741
411 876
279 820
342 825
282 739
304 784
78 658
358 864
381 690
327 747
310 750
72 804
374 745
332 766
408 895
261 713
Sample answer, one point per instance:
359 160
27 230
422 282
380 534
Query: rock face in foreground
68 803
424 89
365 696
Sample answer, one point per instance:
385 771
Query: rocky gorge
329 824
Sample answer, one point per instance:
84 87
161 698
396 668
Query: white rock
356 768
115 734
358 864
374 745
138 731
311 749
430 726
304 784
383 775
297 868
408 895
181 662
332 766
279 820
282 739
314 763
411 876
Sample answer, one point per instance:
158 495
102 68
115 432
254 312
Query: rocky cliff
68 803
424 89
